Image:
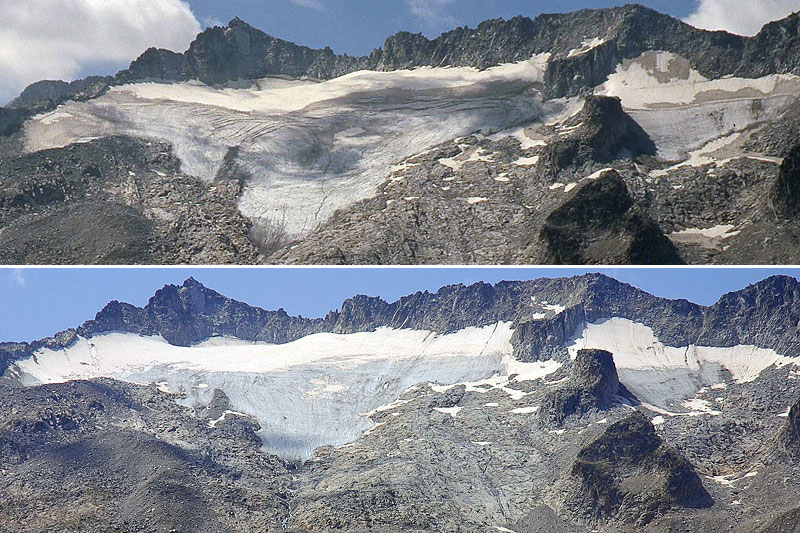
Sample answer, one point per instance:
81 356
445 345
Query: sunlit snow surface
310 147
311 392
665 377
683 111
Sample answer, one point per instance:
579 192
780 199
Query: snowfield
322 389
664 377
309 148
315 391
663 94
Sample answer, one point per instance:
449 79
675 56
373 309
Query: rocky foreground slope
578 404
480 146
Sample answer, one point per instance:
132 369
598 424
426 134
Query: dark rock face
11 120
611 131
604 133
117 200
599 224
108 233
191 313
125 448
785 194
788 522
593 384
629 475
45 95
789 437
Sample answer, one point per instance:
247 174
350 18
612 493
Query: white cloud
210 22
433 12
738 16
311 4
56 39
18 277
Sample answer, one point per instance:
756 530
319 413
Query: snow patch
452 411
706 237
519 133
525 410
527 161
587 46
213 423
700 406
659 77
477 200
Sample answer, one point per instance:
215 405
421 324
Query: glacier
316 391
308 147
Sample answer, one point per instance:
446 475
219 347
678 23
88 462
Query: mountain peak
192 282
236 22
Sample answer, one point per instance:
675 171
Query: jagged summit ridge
240 51
764 314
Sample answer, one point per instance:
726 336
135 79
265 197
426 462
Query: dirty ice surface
309 148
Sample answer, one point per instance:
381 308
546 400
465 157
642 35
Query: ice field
311 392
309 147
683 111
665 377
320 389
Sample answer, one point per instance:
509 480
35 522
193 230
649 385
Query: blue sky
39 302
358 26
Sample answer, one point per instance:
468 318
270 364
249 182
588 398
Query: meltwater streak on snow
310 148
305 394
663 94
664 376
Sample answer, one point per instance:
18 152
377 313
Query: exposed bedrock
788 522
784 196
789 437
604 132
600 224
629 475
593 384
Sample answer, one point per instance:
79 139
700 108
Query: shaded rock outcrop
628 475
784 198
599 224
788 522
603 133
789 436
593 384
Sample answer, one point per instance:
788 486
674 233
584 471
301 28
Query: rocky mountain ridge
239 51
516 187
765 314
570 449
